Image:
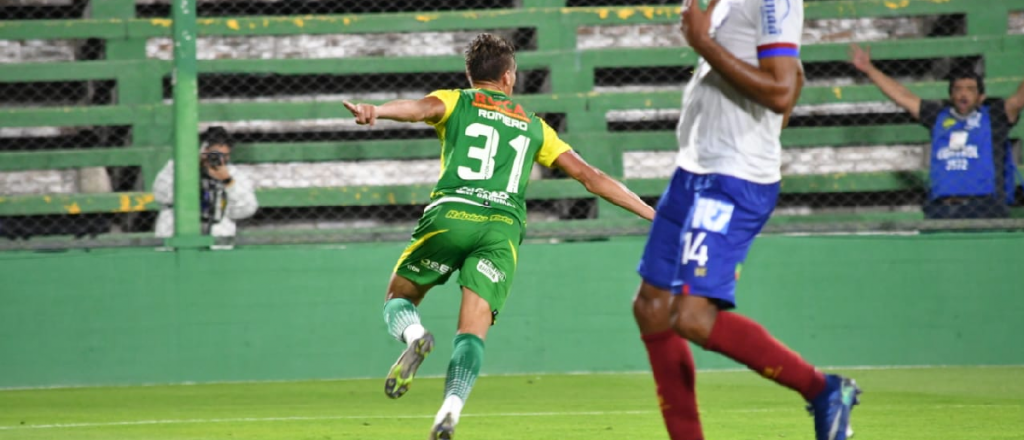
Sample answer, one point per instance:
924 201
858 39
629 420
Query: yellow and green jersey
488 146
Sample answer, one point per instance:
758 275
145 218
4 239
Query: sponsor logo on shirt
488 270
465 216
773 13
500 218
958 151
499 197
712 215
442 269
973 121
769 22
505 107
470 217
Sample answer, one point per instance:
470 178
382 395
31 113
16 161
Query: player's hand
649 214
861 58
366 114
696 23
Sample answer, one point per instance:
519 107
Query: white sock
452 404
412 333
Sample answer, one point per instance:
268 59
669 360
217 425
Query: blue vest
962 163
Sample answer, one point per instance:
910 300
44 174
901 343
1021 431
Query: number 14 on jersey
694 248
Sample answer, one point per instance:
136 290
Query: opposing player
721 195
475 221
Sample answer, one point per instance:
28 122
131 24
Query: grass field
897 404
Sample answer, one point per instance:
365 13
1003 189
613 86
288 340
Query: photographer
226 193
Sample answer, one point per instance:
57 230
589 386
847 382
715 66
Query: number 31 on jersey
486 155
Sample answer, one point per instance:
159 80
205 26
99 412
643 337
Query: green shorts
481 243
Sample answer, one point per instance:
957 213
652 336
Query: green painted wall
141 316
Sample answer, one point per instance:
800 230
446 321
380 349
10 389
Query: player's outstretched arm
598 183
1014 104
775 83
429 109
861 59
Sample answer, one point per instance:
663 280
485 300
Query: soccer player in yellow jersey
477 213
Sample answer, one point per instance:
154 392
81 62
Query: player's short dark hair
966 74
217 135
489 56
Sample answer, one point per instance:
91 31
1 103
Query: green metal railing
140 101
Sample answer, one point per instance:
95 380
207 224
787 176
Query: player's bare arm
796 92
903 97
775 83
598 183
1014 104
429 109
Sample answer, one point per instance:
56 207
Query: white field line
535 374
396 417
316 418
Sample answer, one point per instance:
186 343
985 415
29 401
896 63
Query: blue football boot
831 409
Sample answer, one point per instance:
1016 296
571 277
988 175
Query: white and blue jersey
721 130
729 160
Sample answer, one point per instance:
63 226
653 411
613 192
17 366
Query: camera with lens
215 158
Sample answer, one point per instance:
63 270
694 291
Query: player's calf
475 318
